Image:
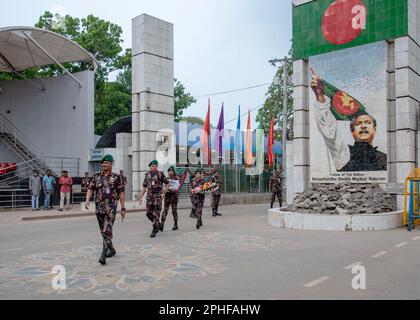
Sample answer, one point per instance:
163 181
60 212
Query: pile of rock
343 199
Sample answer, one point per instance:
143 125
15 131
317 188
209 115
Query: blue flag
238 140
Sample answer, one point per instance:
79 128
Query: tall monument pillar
153 91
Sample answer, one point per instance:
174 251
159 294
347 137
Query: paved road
236 256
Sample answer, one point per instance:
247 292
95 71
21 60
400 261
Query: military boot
111 251
161 226
154 232
199 223
214 212
175 226
193 214
102 259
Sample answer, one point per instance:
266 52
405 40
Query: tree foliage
273 105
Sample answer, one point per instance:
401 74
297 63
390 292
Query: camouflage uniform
216 194
193 210
154 181
171 200
198 200
276 182
107 190
85 184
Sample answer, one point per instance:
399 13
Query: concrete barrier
319 222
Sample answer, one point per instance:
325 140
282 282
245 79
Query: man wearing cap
153 184
276 187
216 194
198 198
108 189
171 198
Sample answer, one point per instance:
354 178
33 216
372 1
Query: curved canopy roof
27 47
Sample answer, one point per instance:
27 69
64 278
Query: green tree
193 120
182 100
273 105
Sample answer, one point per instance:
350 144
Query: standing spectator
65 189
35 187
48 182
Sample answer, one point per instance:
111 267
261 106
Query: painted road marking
60 243
379 254
401 245
316 282
11 250
416 238
352 265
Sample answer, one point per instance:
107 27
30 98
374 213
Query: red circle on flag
345 104
337 22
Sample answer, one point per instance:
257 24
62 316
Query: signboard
96 154
326 25
348 115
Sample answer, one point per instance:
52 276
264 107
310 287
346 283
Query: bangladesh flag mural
343 105
322 26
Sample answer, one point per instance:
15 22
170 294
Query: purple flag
218 139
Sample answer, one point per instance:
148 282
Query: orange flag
248 148
271 143
205 140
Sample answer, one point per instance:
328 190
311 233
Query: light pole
285 62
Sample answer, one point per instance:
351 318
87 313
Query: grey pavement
236 256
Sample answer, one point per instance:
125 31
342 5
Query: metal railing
25 149
58 164
15 198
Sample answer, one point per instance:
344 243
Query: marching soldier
276 187
216 194
171 199
108 189
153 183
193 210
198 198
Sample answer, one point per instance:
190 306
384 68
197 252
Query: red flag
205 140
271 143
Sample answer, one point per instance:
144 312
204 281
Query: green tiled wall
386 19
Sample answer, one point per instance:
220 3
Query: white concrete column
299 154
407 77
153 90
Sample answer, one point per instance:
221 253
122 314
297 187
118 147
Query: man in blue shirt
48 182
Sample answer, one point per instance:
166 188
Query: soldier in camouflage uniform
153 184
216 194
193 209
198 198
108 189
276 187
171 200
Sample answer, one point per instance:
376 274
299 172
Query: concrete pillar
299 154
153 91
407 92
123 144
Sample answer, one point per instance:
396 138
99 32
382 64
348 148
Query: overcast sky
219 44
